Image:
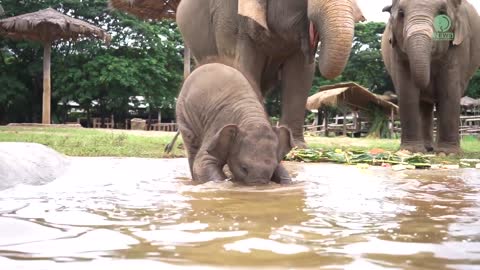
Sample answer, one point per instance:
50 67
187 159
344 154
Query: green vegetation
128 143
143 59
377 151
351 157
95 143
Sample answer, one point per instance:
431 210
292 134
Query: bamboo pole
47 54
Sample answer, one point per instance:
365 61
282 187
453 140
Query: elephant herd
431 49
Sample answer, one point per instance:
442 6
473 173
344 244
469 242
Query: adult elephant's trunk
419 50
334 21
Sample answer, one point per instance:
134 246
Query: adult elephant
272 39
431 49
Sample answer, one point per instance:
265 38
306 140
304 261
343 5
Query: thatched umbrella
148 9
47 26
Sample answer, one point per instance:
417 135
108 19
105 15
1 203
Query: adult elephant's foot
448 149
300 143
413 147
429 147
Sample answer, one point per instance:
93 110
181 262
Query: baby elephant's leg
191 146
281 175
207 168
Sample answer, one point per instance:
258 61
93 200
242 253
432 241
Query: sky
372 9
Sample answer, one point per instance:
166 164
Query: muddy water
146 214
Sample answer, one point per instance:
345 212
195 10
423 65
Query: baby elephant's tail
169 147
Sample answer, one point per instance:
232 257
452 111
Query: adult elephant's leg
225 26
248 58
426 109
191 145
449 95
198 36
410 118
297 78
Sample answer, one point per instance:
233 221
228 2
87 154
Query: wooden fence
469 125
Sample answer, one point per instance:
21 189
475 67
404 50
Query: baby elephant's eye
244 169
401 13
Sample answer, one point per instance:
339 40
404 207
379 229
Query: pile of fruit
400 160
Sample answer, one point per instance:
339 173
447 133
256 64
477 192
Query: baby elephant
222 121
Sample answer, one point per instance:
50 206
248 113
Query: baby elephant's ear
222 142
285 141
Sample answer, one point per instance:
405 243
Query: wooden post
319 119
392 119
355 120
344 122
326 122
47 53
186 62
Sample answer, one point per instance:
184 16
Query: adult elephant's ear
255 10
285 141
462 28
357 13
387 9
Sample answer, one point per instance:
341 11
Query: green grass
119 143
470 145
94 143
354 143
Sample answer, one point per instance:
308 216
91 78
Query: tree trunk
47 54
149 121
89 118
102 114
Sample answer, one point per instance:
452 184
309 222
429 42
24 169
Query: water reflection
334 217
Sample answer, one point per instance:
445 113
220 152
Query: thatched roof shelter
351 95
147 9
46 26
469 102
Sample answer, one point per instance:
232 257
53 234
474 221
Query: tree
143 59
474 86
